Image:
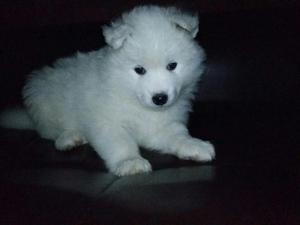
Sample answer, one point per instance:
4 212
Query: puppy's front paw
69 140
132 166
197 150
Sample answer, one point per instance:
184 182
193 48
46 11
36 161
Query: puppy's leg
119 151
175 139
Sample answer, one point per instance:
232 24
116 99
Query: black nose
160 99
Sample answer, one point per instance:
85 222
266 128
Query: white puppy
136 91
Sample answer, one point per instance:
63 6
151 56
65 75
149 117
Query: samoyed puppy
134 92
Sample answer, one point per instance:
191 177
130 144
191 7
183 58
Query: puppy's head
156 51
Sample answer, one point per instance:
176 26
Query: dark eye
140 70
172 66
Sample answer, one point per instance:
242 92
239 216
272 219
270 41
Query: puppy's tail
16 119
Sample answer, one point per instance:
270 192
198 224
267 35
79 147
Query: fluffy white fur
98 98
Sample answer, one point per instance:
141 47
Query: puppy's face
157 85
161 66
155 47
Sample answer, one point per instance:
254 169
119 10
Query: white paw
69 140
132 166
197 150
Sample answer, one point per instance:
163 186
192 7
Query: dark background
248 105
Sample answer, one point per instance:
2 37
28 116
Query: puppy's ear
116 34
185 21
